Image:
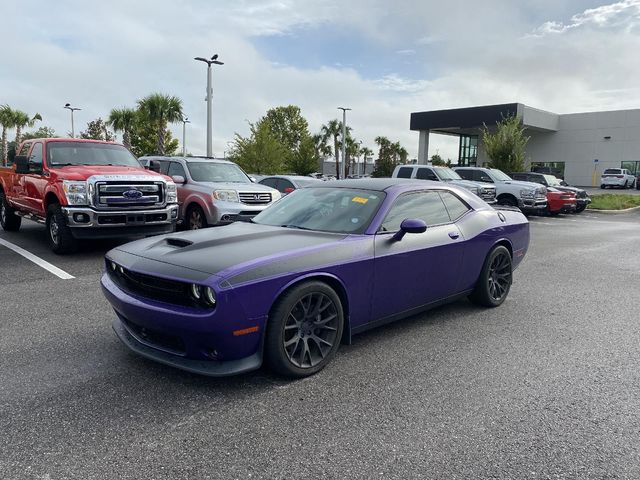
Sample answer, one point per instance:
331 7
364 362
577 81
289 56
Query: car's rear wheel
508 201
8 219
495 278
196 218
580 208
602 186
304 330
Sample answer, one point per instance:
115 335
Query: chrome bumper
85 217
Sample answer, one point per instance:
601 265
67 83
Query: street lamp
344 140
72 109
214 60
185 120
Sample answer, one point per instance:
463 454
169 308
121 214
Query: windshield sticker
360 200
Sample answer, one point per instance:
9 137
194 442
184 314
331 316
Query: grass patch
611 201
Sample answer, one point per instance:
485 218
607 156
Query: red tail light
289 190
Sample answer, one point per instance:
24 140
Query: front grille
581 194
139 195
148 286
153 337
488 193
255 198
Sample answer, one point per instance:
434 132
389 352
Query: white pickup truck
528 196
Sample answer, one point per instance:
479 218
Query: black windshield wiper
290 225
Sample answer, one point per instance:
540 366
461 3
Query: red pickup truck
84 189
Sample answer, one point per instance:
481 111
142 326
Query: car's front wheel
59 234
495 279
580 208
304 330
196 218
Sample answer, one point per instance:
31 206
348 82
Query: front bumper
222 213
613 182
197 340
532 204
86 222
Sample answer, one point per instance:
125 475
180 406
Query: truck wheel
58 233
508 201
8 219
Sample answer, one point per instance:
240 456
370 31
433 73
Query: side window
466 174
269 182
427 206
285 184
175 169
25 149
482 177
164 167
455 206
405 172
426 174
518 176
36 155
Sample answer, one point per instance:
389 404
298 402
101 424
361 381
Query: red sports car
560 202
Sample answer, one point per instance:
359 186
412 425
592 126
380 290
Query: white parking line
37 260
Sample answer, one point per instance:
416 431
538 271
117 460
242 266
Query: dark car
320 265
582 198
286 184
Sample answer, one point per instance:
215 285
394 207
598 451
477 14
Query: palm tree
365 152
7 121
123 120
322 149
351 152
21 120
160 110
333 129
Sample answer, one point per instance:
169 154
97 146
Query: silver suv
212 191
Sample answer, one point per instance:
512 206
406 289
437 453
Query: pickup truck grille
257 198
123 195
488 194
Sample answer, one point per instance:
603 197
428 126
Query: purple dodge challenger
320 265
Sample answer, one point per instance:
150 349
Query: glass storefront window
468 150
632 166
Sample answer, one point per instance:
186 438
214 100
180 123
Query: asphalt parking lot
546 386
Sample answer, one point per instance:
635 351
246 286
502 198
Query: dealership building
577 146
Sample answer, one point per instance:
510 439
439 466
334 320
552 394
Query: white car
617 177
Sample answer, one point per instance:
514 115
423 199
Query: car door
176 169
35 182
421 268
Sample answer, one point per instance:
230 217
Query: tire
8 219
626 185
602 186
495 279
59 234
309 318
581 208
196 218
508 200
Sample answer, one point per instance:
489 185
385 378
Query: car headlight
476 190
76 192
203 295
225 195
275 195
527 193
172 193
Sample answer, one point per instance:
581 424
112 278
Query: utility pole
185 120
214 60
72 109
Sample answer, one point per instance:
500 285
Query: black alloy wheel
495 278
304 330
508 201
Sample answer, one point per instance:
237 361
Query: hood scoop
178 242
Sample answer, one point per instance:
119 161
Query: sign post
594 176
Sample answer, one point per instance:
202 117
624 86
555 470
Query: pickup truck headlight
172 193
527 193
225 195
76 192
275 195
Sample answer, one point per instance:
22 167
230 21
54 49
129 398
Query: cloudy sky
383 59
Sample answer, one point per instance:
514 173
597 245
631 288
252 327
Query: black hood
213 250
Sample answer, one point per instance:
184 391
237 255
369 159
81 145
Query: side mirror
154 166
410 225
22 163
178 179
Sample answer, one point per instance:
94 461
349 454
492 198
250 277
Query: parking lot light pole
214 60
344 140
185 120
71 109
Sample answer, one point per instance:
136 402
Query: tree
21 120
390 155
366 153
261 152
123 120
351 152
97 130
287 125
506 146
42 132
333 129
437 160
322 150
160 110
305 159
7 120
144 140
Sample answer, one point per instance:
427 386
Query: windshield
338 210
62 154
447 174
217 172
552 181
499 175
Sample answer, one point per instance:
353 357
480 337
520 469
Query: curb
614 212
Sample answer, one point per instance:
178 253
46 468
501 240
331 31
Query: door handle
454 235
